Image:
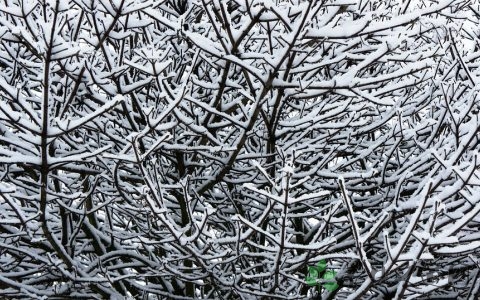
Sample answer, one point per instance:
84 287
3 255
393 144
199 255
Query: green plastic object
321 266
330 286
311 278
314 273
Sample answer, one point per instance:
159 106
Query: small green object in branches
330 286
314 273
321 266
311 278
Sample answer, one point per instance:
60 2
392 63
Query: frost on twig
192 149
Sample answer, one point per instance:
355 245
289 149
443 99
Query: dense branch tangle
214 149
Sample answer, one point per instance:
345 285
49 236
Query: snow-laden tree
215 149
